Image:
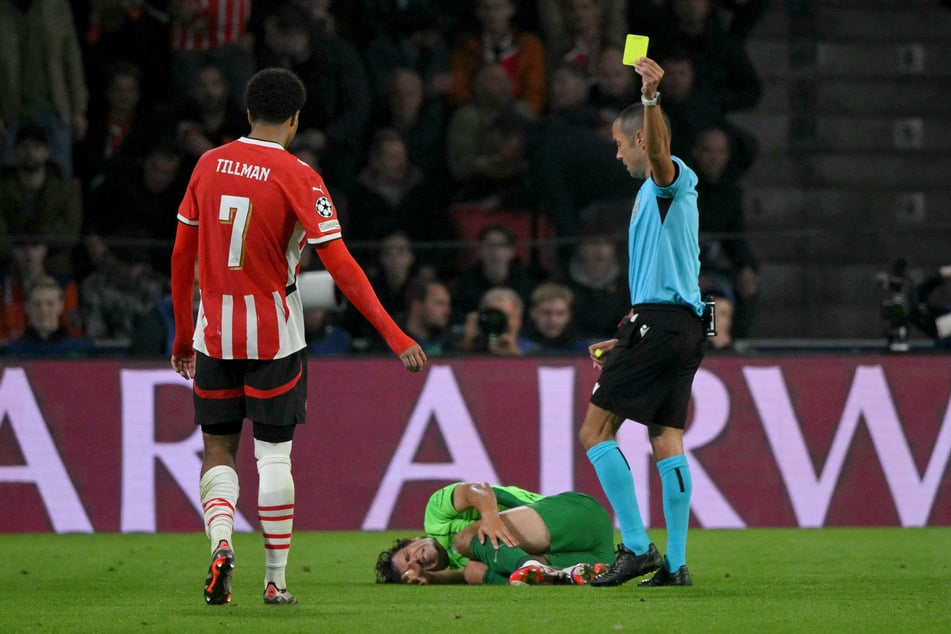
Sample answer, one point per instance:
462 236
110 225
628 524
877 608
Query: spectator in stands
723 67
421 122
324 337
689 108
155 331
498 182
140 198
208 118
42 77
366 20
572 167
45 335
27 264
335 117
575 31
414 42
497 265
211 32
391 194
389 274
128 32
550 328
37 200
471 156
726 259
742 15
495 327
692 108
427 316
119 294
599 283
614 87
324 15
119 130
520 54
570 96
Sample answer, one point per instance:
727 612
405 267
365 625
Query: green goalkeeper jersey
443 522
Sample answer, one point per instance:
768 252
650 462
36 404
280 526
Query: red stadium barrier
780 441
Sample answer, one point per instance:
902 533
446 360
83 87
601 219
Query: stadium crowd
466 144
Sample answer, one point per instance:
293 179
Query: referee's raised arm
656 132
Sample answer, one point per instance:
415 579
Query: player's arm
183 282
481 497
414 575
353 282
657 136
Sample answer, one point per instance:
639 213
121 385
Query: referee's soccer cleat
664 577
276 596
535 573
627 566
582 574
218 583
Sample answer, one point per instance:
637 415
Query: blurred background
466 145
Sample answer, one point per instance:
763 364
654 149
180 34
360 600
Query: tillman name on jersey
237 168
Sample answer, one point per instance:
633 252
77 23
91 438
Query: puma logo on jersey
318 189
644 330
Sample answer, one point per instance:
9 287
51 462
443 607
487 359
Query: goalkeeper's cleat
664 577
218 583
275 596
628 565
535 573
582 574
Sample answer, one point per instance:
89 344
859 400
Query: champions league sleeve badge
324 207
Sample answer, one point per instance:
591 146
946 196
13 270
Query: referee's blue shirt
663 242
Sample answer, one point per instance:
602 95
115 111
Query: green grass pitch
757 580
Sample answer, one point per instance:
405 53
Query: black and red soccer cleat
218 583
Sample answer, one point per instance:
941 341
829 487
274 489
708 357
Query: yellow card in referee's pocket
635 47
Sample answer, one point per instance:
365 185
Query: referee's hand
599 351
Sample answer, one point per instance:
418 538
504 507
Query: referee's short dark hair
273 95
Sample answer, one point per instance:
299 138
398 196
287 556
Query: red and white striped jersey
208 24
256 206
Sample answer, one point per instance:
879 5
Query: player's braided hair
385 570
273 95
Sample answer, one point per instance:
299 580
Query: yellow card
635 48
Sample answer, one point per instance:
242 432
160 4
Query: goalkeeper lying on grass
497 535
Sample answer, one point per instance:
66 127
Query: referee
647 370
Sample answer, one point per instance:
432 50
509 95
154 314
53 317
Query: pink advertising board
809 441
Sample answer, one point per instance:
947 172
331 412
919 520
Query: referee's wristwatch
651 102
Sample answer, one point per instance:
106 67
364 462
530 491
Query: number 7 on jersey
235 211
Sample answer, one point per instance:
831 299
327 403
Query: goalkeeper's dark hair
274 94
386 572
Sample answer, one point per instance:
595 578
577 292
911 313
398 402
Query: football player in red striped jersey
250 209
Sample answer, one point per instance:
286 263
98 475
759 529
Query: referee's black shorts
272 393
648 375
